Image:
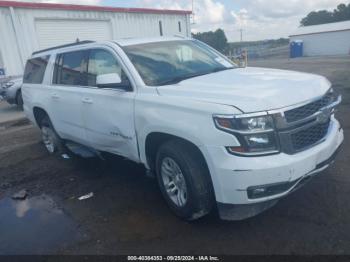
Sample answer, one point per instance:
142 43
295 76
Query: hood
251 89
17 80
17 83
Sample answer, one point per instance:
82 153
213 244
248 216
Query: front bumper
240 212
233 175
2 93
7 95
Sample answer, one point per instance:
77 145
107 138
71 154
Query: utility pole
241 25
193 21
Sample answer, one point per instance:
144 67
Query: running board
82 151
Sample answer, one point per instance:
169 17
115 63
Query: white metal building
27 27
325 39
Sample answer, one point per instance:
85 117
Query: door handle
87 100
55 96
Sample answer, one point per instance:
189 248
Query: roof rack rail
62 46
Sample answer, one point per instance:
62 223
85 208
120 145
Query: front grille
309 109
310 136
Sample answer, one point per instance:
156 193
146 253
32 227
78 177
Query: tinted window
35 70
71 68
57 70
102 62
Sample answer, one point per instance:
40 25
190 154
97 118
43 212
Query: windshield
170 62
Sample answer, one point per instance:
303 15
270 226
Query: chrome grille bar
308 131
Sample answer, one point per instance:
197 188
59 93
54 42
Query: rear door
67 91
109 112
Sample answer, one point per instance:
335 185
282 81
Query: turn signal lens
237 149
224 122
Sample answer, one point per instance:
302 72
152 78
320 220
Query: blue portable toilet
296 48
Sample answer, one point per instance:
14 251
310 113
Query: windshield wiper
178 79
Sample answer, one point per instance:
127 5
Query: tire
19 99
51 140
195 194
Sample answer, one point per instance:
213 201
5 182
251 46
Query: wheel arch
155 139
39 113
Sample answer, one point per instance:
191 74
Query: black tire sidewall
183 161
19 99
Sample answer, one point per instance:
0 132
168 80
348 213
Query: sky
259 19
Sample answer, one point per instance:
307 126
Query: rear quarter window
35 70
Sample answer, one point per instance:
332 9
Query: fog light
269 190
257 192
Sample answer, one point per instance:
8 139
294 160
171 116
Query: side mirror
108 80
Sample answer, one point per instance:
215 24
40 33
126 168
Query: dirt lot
127 215
10 112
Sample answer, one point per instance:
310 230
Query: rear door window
71 69
35 70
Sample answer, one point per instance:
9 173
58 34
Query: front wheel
184 180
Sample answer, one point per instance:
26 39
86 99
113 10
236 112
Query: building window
179 26
160 28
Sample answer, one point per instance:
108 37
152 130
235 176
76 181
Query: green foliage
215 39
342 13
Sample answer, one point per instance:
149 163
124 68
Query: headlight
256 134
332 96
249 124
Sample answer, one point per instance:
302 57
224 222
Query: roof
324 28
30 5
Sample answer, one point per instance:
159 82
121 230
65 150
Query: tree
215 39
342 13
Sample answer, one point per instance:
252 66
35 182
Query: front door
109 112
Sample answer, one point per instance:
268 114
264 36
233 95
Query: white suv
215 135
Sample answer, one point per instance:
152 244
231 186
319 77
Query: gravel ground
127 215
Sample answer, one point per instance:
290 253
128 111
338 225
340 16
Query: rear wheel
19 99
51 140
184 180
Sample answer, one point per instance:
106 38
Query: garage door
53 32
